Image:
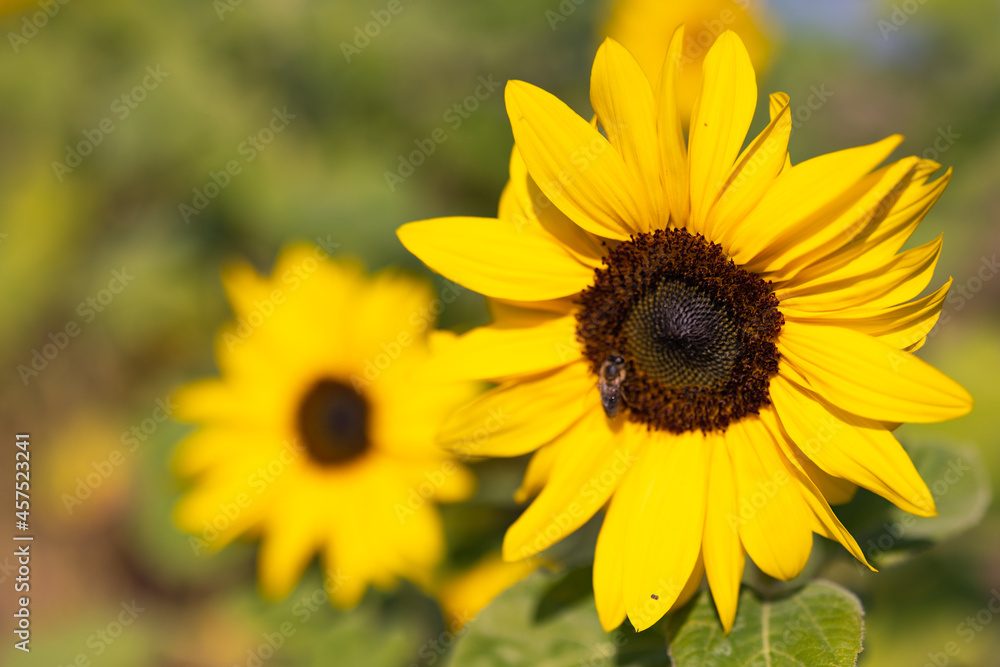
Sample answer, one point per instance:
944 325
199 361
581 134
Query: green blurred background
929 70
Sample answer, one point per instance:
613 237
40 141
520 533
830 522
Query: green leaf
525 626
820 624
568 591
956 477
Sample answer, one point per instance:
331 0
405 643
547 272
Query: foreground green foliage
820 624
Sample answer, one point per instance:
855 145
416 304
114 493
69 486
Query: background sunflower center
333 422
695 331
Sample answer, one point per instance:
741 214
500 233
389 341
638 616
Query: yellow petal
588 471
824 521
211 400
201 511
623 100
798 196
692 585
496 259
876 244
900 326
773 520
573 164
609 563
867 282
809 244
777 102
664 534
520 416
289 544
538 472
836 490
862 451
493 351
722 549
904 216
530 211
869 378
671 134
525 313
752 175
719 122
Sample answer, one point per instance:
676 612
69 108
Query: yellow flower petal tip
787 285
466 593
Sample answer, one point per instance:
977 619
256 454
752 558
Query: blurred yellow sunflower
644 28
319 436
713 340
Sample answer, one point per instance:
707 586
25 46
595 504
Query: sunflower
319 436
644 28
710 341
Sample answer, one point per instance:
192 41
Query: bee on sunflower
319 436
758 317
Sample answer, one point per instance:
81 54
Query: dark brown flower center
333 422
695 331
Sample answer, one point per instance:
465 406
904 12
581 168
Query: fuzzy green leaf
539 622
820 624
